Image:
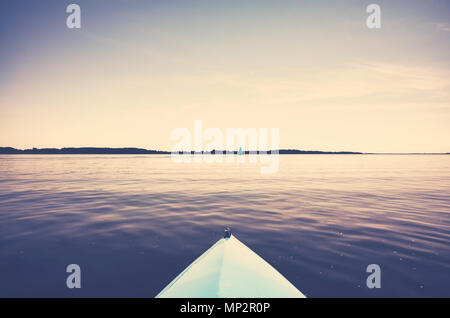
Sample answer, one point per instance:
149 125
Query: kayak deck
230 269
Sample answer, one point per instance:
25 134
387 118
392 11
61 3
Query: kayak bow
229 269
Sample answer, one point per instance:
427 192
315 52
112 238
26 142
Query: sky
137 70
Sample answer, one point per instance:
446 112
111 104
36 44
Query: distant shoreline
141 151
137 151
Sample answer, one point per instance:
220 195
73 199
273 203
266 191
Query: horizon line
136 150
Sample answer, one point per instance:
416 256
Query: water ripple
134 222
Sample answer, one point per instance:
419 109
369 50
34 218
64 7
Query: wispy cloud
444 27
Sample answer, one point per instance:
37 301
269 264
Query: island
141 151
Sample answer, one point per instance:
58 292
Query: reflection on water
134 222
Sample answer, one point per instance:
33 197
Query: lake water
133 223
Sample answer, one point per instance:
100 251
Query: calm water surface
134 222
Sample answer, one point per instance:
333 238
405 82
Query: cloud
361 82
444 27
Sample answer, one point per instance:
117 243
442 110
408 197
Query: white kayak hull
229 269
